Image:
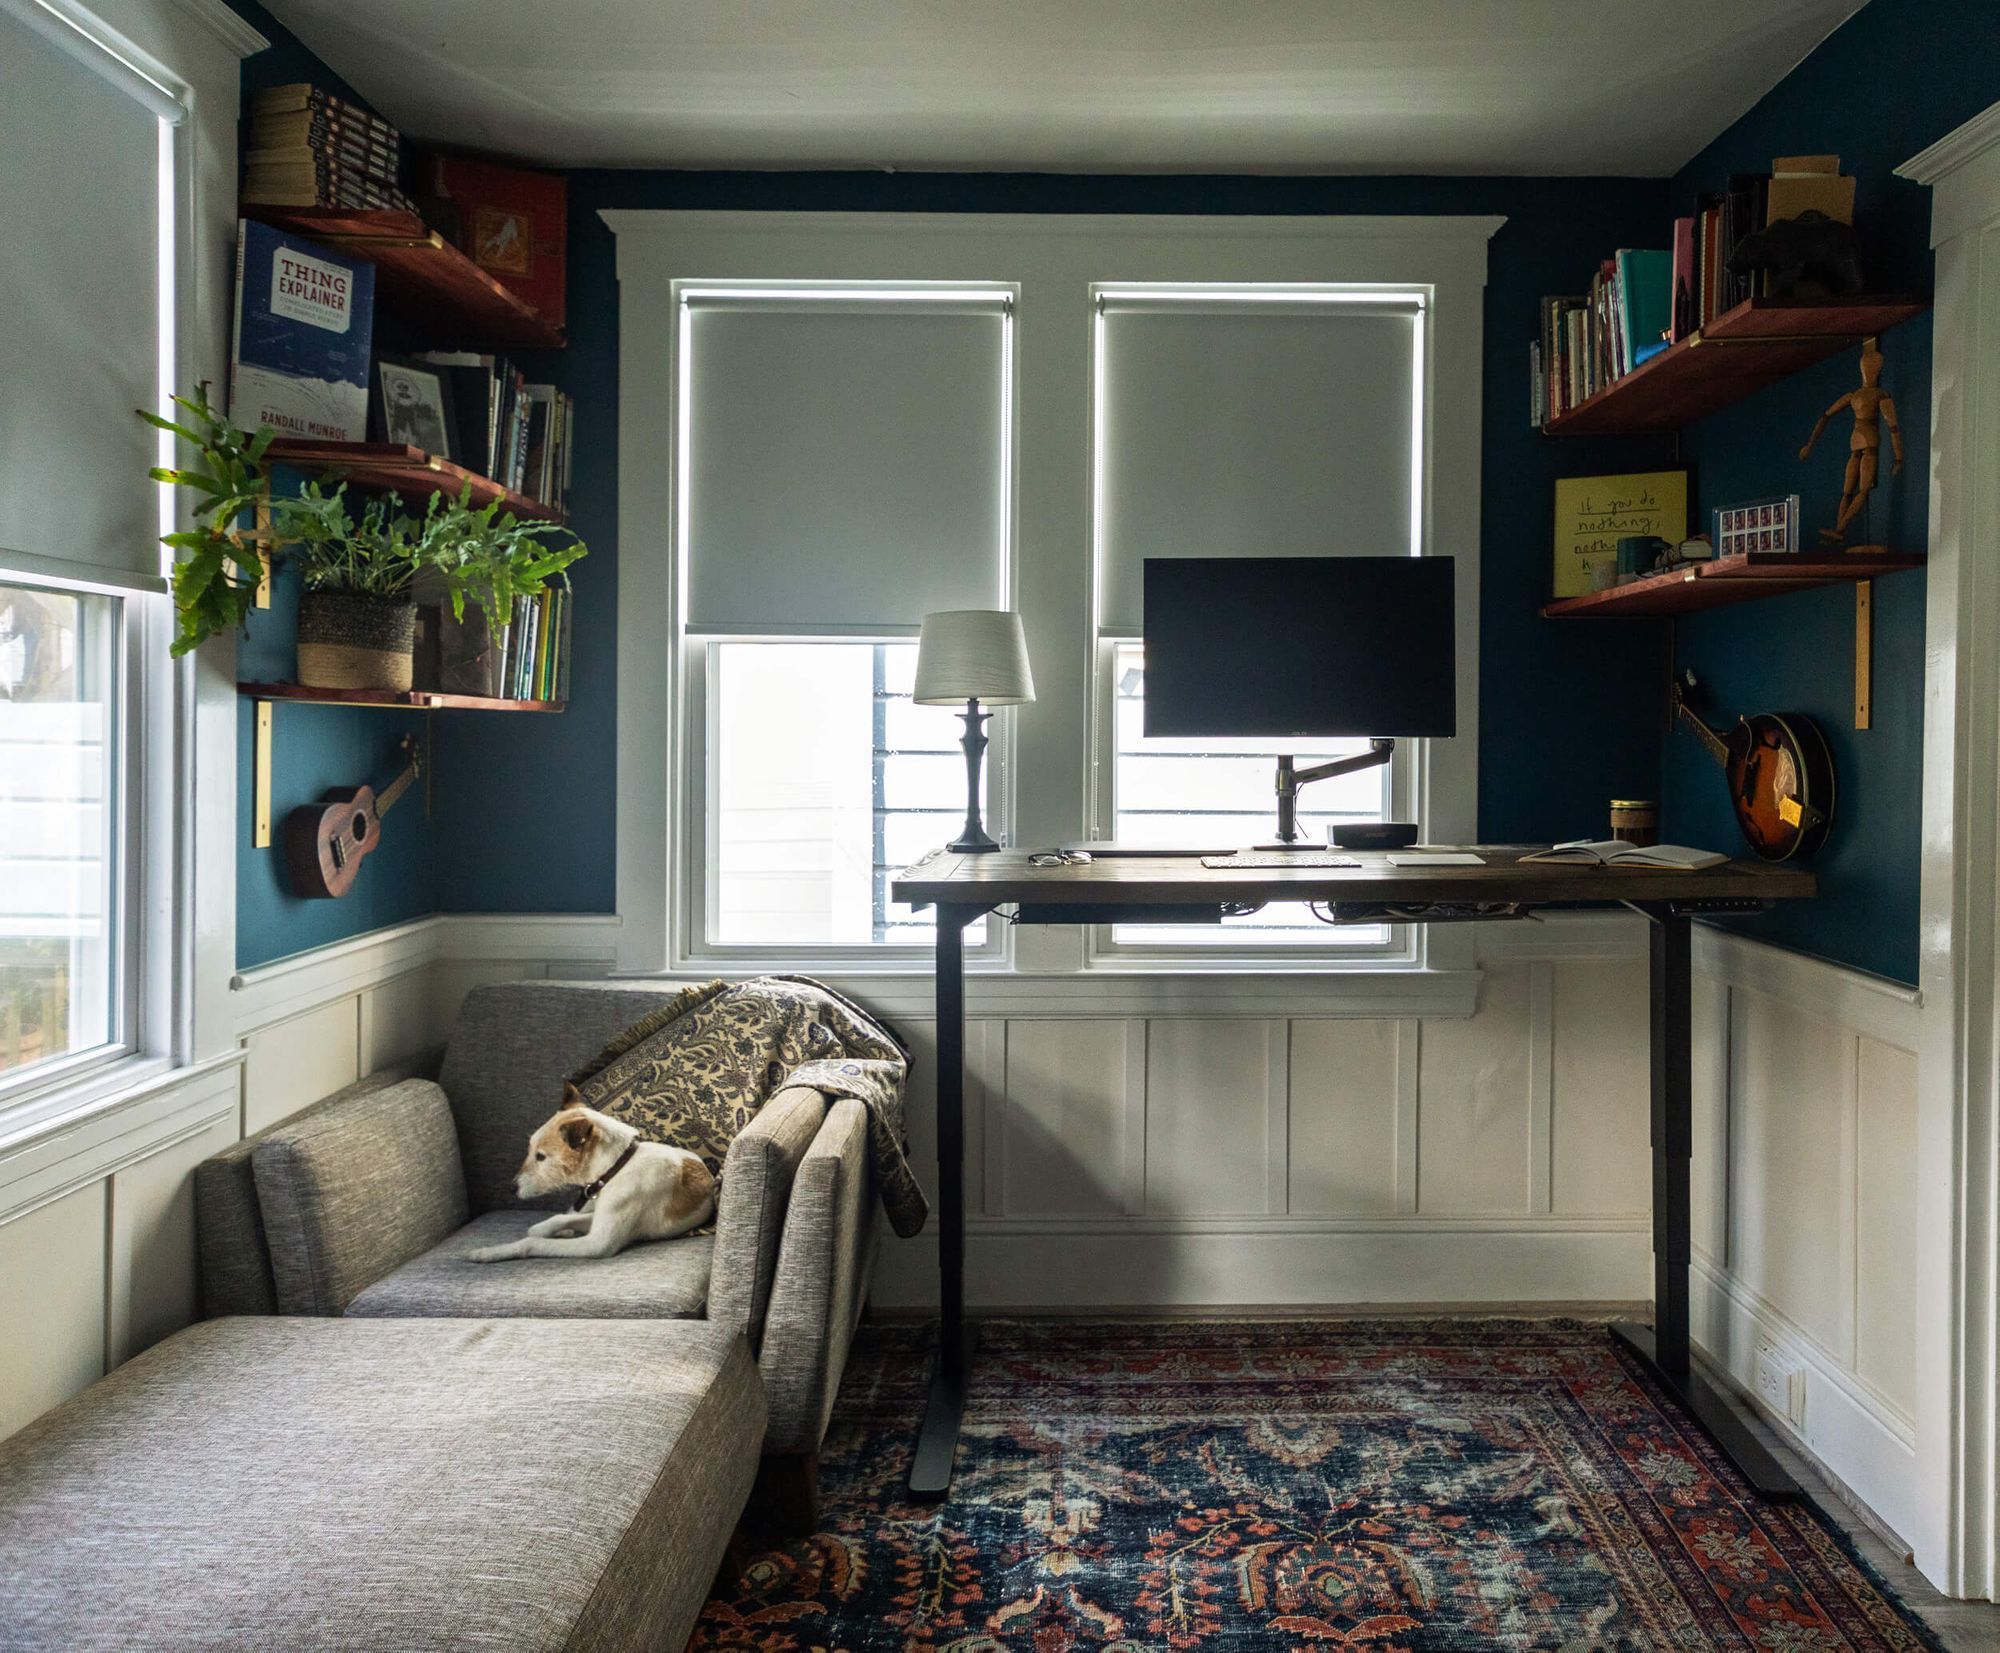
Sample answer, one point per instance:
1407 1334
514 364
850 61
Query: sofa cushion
351 1192
750 1214
229 1223
510 1051
665 1279
412 1485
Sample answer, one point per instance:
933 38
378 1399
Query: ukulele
1780 777
326 842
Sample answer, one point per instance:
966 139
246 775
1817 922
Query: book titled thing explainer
305 318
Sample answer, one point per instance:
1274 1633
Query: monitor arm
1291 778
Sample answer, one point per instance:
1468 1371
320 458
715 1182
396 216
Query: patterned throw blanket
694 1073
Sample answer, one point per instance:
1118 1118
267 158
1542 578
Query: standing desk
1176 888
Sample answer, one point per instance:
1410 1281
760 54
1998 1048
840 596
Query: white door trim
1957 1541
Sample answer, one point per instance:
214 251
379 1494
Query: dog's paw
490 1254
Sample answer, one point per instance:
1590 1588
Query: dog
632 1190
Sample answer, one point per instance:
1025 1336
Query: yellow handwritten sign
1593 513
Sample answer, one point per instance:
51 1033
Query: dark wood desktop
1143 888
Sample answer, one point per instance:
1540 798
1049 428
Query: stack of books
534 648
311 149
1590 340
517 433
1704 241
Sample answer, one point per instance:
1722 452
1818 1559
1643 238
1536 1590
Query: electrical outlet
1781 1384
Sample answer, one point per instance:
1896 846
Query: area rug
1389 1485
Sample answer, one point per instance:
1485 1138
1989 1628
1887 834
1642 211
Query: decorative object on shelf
305 318
511 221
1810 256
1635 821
1593 513
413 407
1780 770
1872 407
326 842
1641 554
1758 525
351 641
973 655
485 553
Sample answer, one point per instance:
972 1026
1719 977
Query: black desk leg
1663 1346
930 1470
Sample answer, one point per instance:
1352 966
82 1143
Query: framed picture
1592 513
413 406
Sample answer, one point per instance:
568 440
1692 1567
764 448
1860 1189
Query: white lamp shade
973 654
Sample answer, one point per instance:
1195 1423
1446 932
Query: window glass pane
58 869
828 781
1216 795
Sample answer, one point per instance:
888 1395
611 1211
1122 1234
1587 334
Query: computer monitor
1295 647
1299 646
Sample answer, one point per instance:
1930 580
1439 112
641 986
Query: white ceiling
1367 86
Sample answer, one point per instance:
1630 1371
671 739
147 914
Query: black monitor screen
1285 646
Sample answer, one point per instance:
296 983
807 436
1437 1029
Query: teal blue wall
1895 77
316 748
1547 692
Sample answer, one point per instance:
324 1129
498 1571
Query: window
828 779
60 901
1245 421
88 335
845 464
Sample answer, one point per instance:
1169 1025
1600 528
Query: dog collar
592 1189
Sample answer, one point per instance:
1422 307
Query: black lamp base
973 844
973 838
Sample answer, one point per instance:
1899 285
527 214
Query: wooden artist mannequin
1871 406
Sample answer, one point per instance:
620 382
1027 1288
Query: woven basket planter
348 641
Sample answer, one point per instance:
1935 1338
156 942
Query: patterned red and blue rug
1394 1486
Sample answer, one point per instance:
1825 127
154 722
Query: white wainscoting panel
1599 1102
1345 1084
52 1303
1805 1182
1208 1104
294 1062
1473 1102
153 1282
1060 1146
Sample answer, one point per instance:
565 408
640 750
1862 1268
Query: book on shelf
516 433
309 148
304 324
1615 852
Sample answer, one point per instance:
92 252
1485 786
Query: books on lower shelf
1615 852
517 433
535 646
308 148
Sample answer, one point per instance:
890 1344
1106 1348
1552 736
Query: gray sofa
365 1205
515 1486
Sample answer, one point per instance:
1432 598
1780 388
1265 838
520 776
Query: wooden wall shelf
1738 579
423 277
1755 344
408 470
420 700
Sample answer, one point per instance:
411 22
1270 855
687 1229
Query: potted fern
358 609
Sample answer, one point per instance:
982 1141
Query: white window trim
1054 261
180 716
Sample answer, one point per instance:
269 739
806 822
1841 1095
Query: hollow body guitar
326 842
1780 773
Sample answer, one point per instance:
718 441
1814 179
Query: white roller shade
1251 428
79 305
846 463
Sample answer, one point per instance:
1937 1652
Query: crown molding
225 25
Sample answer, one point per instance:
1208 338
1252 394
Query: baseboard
1858 1438
1055 1269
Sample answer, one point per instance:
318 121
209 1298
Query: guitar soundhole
360 828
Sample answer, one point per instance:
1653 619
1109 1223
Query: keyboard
1250 860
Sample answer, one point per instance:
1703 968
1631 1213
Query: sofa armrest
352 1191
821 1281
750 1212
229 1223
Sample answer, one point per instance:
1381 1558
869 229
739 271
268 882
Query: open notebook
1613 852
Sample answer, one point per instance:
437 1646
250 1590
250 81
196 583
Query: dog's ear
572 1097
577 1133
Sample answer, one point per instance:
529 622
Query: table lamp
973 655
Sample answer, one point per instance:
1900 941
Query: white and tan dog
631 1190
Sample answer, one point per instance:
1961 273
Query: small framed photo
413 406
